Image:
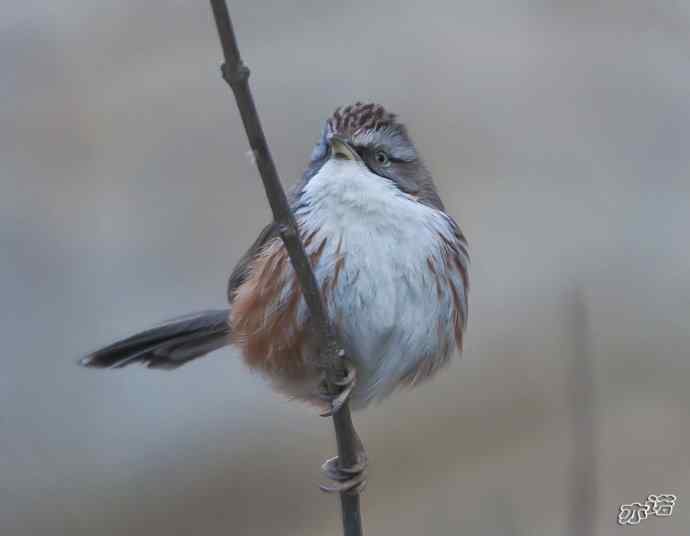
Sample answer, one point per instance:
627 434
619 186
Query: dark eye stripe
362 152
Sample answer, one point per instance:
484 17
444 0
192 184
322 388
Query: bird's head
368 135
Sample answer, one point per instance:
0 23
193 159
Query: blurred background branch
583 494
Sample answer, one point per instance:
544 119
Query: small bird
391 264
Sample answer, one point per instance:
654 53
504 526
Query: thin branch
236 74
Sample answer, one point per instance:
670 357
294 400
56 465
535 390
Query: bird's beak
342 150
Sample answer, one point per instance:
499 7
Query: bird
391 264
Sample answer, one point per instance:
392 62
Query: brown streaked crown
357 117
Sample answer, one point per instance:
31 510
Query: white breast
387 303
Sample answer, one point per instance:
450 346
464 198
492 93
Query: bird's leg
351 478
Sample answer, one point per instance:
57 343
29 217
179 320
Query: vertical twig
236 74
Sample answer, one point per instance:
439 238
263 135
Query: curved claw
350 377
352 485
330 467
339 401
351 479
347 384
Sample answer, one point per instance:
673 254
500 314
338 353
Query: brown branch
236 74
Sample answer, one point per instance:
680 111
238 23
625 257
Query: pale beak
342 150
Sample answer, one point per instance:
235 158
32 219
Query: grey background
558 135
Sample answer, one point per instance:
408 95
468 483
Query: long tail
169 345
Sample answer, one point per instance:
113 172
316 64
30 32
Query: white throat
347 189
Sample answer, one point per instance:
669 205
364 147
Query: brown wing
239 273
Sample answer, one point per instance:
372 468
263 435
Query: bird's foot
343 388
351 479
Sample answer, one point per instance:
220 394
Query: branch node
235 76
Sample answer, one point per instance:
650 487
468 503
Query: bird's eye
382 158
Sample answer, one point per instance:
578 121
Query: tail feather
167 346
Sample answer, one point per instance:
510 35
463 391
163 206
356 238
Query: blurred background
558 135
